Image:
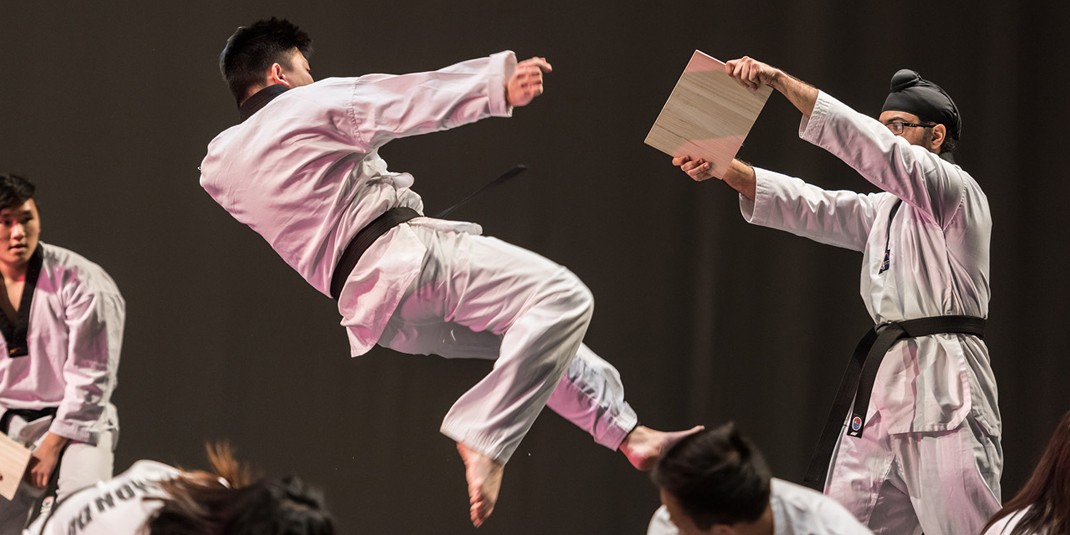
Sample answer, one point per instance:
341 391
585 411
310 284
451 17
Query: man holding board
920 449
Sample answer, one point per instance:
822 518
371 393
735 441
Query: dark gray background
109 107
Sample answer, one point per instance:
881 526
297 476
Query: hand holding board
708 114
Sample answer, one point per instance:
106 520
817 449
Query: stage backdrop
109 107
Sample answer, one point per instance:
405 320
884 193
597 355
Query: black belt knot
364 239
857 382
26 414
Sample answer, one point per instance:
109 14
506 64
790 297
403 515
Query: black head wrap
913 94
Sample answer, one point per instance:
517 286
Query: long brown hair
230 500
1047 493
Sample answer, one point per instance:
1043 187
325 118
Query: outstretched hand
750 72
698 170
738 175
526 82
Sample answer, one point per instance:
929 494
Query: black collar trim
259 100
15 335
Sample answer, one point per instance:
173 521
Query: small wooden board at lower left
14 458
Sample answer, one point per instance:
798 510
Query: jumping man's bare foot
644 446
484 480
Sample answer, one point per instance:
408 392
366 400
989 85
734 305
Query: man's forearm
741 178
802 95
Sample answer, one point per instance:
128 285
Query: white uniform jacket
797 510
120 506
939 261
74 339
304 172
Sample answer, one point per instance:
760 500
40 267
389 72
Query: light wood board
708 114
13 461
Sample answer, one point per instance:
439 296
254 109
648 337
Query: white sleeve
383 107
840 218
95 332
920 178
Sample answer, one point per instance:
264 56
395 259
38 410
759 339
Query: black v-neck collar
15 335
259 100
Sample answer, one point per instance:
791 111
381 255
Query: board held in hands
14 458
708 114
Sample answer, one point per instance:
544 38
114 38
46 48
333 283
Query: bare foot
644 446
484 480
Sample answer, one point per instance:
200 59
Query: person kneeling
155 498
716 482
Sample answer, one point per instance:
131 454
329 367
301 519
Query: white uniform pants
939 483
80 466
479 297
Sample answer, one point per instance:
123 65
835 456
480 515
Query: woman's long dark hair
231 501
1047 493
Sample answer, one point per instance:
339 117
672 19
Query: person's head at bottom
715 482
230 501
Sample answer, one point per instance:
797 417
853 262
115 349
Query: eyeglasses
897 126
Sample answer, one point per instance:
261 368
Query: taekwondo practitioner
62 326
717 482
921 450
302 169
154 498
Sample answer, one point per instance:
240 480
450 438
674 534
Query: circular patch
856 423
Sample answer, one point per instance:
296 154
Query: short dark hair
254 48
15 190
717 476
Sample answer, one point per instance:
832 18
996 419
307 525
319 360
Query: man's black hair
717 476
15 190
254 48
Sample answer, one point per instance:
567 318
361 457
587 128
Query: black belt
857 382
364 239
26 414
